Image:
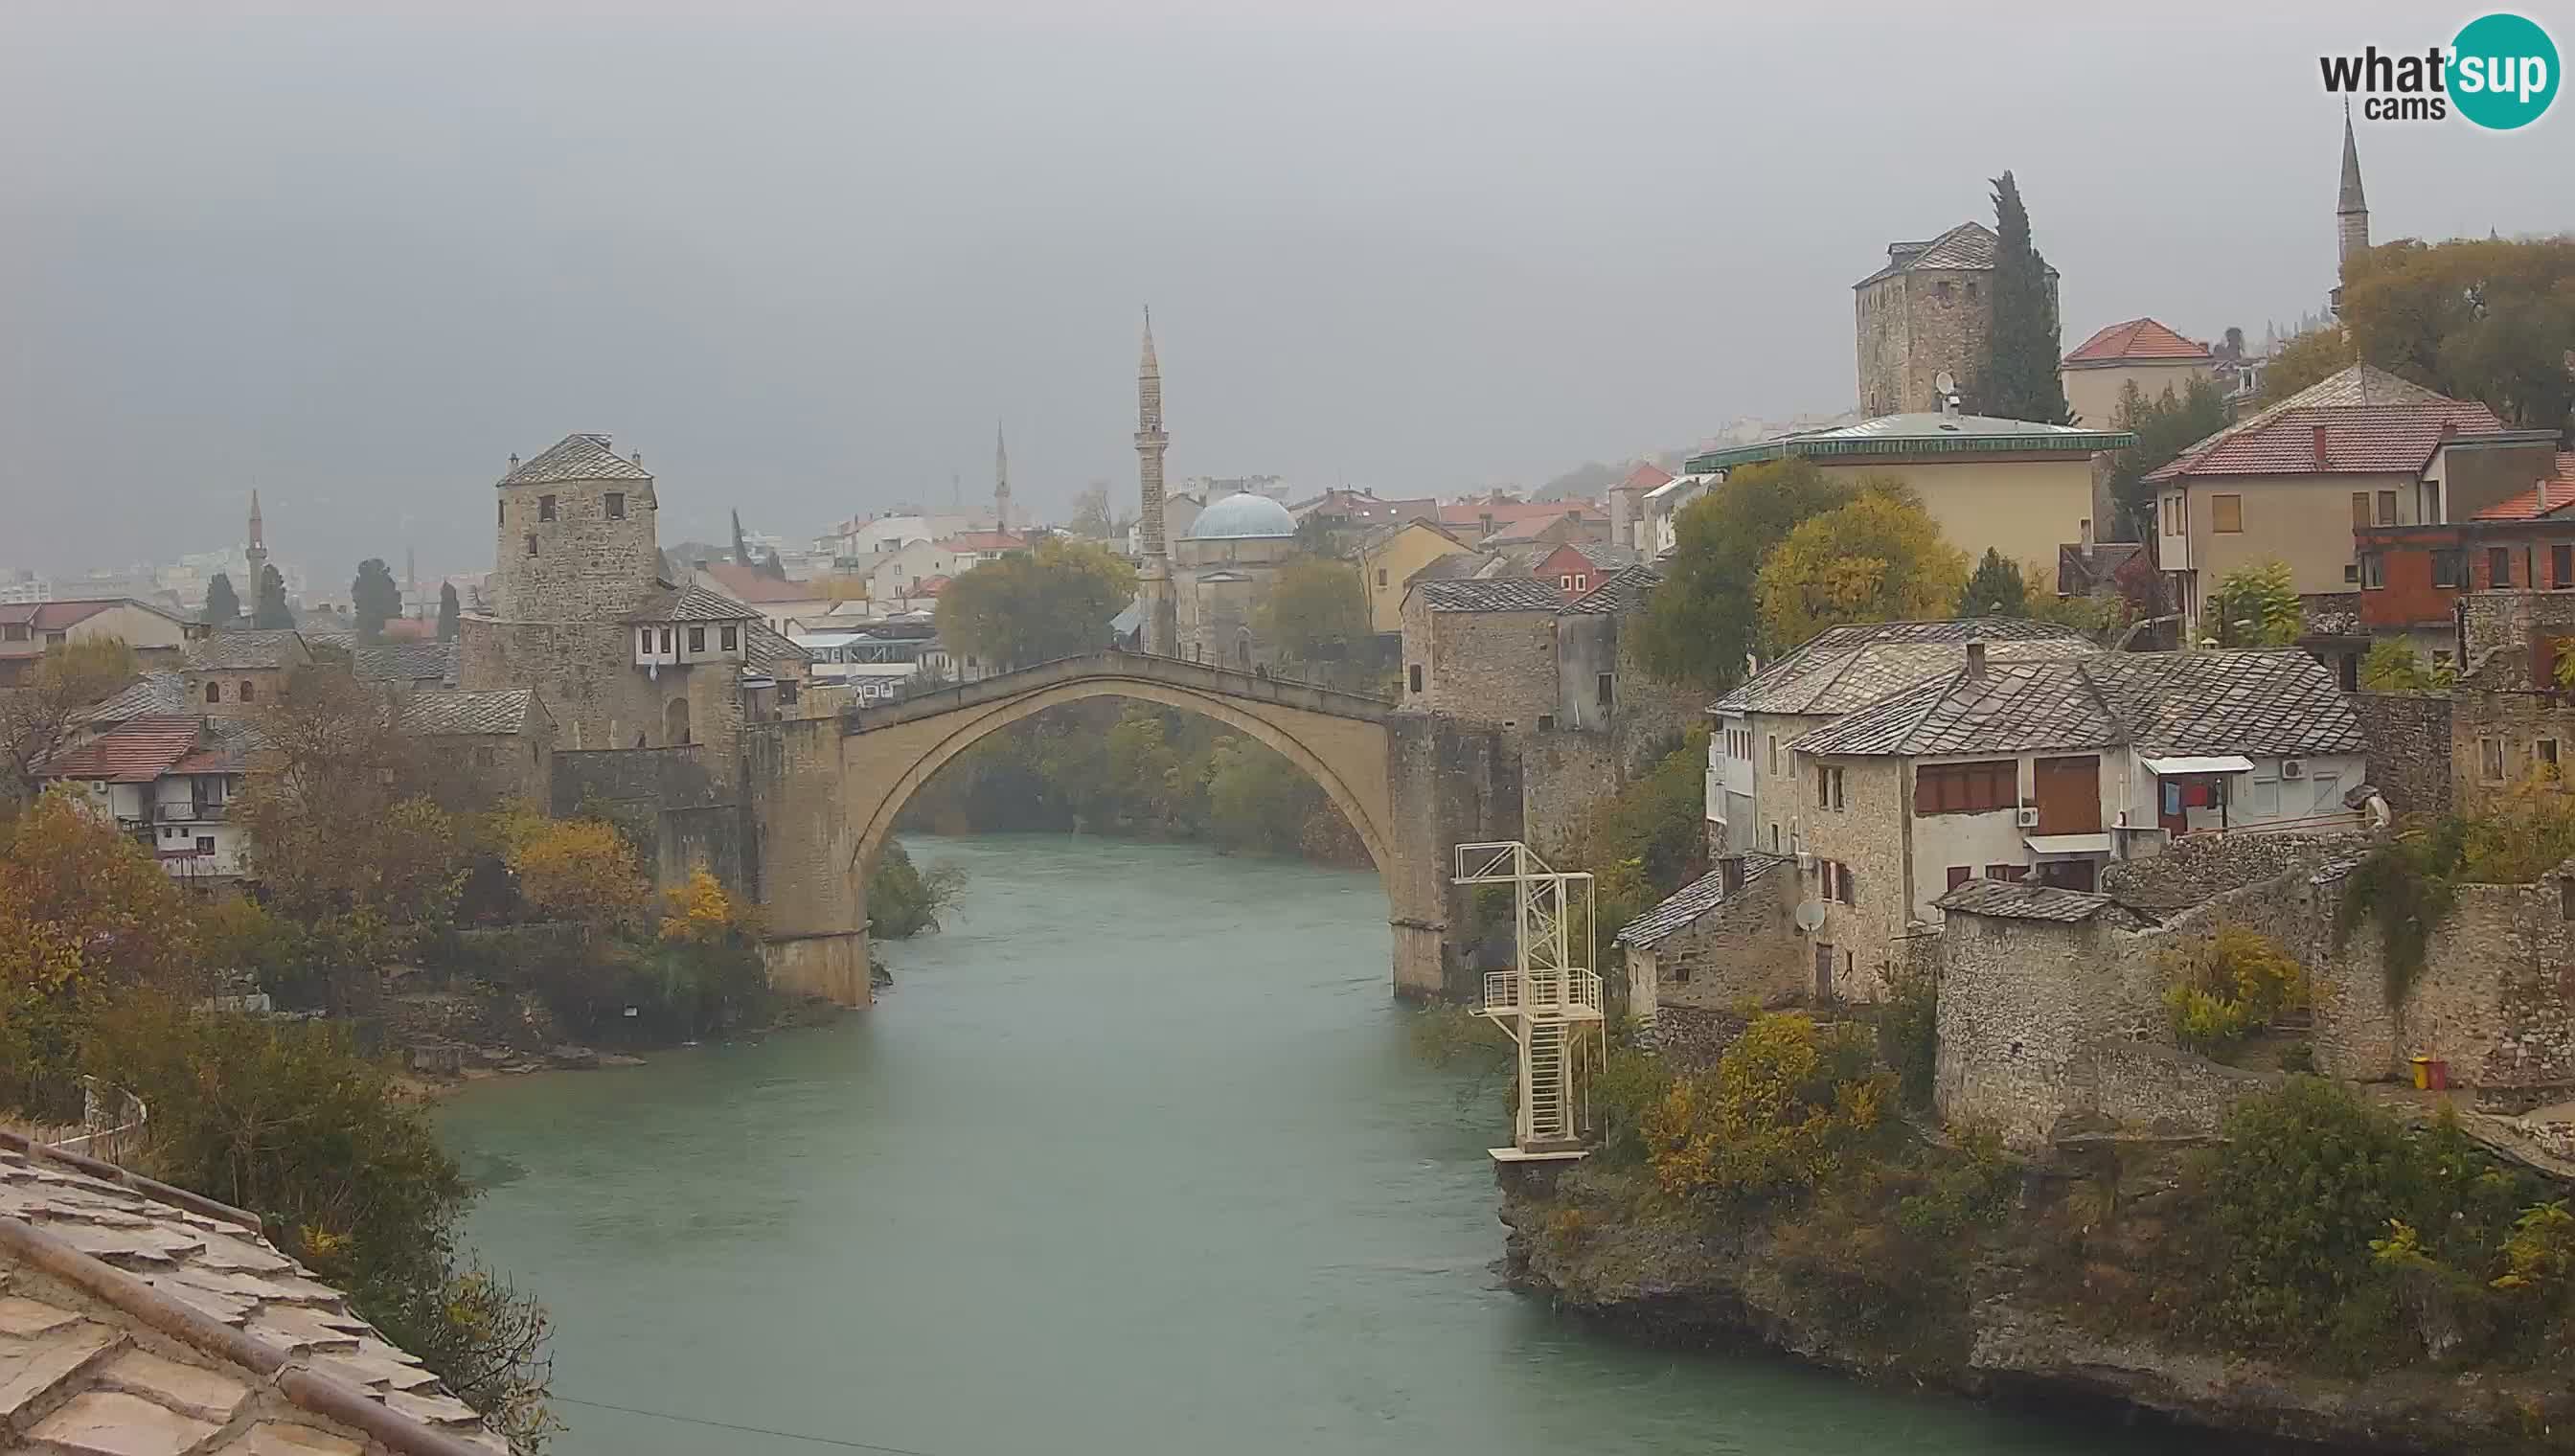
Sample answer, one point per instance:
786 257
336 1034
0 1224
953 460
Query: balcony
188 811
1572 994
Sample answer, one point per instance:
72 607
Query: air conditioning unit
2293 768
2028 818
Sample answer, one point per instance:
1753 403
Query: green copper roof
1897 437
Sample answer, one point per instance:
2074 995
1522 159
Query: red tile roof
929 586
1645 477
2358 395
2550 497
750 585
984 541
2138 339
135 752
2367 439
1504 513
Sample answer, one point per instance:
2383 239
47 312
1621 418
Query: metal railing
1548 990
111 1123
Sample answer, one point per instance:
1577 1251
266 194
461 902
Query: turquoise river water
1136 1157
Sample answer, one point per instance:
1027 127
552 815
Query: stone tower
2351 210
1154 573
256 553
576 540
1001 481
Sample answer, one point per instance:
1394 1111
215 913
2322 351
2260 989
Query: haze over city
804 259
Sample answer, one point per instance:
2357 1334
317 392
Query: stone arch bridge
825 793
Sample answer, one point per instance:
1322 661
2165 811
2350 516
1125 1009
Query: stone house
2362 446
1482 650
2051 770
2020 487
2097 371
236 673
1928 311
496 745
1389 555
1724 937
1751 793
28 628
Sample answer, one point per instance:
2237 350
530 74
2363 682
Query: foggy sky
804 259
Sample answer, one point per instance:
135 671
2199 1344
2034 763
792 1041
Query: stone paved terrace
138 1320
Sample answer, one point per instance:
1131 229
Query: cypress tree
223 604
1997 589
272 611
450 611
2022 349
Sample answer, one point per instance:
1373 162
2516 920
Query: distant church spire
1159 630
1001 480
2351 210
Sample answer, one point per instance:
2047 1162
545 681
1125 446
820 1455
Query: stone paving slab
113 1423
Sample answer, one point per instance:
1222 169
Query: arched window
246 691
674 724
214 693
1243 648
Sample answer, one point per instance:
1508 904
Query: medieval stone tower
1154 575
576 540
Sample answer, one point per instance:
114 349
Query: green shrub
902 901
1908 1030
1789 1101
2229 986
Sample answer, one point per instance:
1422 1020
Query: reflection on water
1135 1158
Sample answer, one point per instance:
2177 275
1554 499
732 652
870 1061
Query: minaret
2351 210
1154 573
1001 481
256 554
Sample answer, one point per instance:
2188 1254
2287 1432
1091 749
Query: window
1603 690
732 639
2351 573
2490 759
1565 582
1942 289
1947 788
2373 569
56 639
617 505
2009 874
205 843
2498 568
644 639
502 515
1547 723
2264 797
789 689
1774 838
2449 568
214 693
1381 576
2360 510
2226 514
2387 508
1828 787
2561 567
532 543
1960 873
545 508
666 640
249 690
1774 757
1833 881
697 639
2543 757
1414 673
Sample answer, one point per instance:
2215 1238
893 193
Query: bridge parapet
1131 666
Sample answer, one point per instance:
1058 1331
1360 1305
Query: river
1136 1157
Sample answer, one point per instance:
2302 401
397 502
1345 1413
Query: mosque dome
1242 517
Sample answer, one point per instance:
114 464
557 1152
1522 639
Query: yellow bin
2431 1073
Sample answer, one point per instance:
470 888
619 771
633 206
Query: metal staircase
1549 1000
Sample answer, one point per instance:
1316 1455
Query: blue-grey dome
1242 516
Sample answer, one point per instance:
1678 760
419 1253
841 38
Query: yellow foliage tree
1789 1100
577 869
1878 558
699 911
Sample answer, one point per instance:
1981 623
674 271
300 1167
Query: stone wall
2150 1087
1490 666
2495 997
2197 869
2409 748
2019 1002
1447 783
1868 934
2505 637
584 566
2502 729
1564 772
669 800
1745 948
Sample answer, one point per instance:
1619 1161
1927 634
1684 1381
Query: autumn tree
2309 358
574 869
37 717
1316 612
2024 349
2165 426
2487 318
339 809
451 612
1035 607
1878 558
1702 625
1997 589
223 604
374 598
2257 605
271 612
1091 517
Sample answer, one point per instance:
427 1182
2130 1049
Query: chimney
638 457
2320 447
2087 538
1975 661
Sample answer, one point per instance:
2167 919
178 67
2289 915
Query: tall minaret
256 553
2351 210
1001 480
1154 573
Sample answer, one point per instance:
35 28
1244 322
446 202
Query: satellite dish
1809 917
1945 381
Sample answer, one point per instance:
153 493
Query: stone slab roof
1490 593
153 692
139 1319
692 602
1626 591
1692 901
438 712
245 650
767 650
408 661
1844 668
576 457
2164 704
2027 902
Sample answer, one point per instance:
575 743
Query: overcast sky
803 258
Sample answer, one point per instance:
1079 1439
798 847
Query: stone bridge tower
574 535
1160 629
